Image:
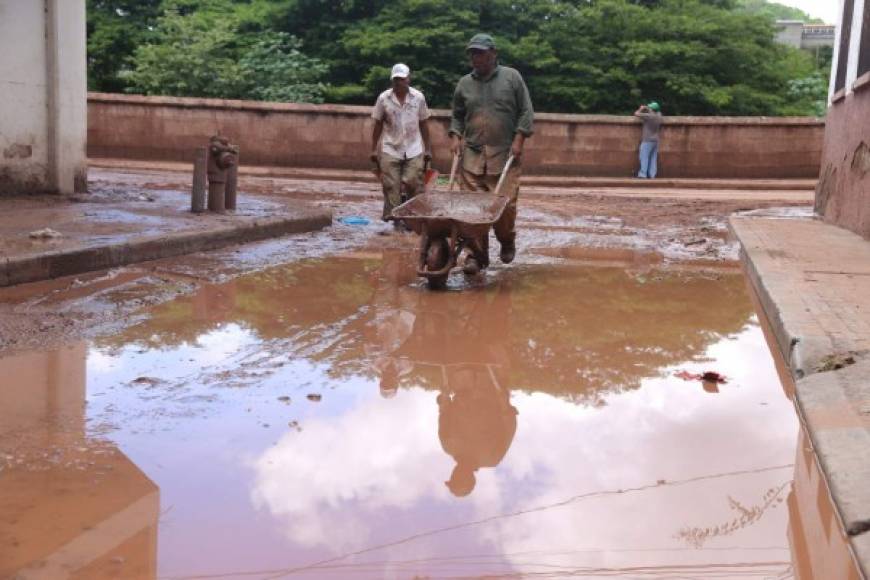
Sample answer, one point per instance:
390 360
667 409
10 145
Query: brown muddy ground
306 408
568 224
332 418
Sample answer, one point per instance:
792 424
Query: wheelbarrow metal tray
473 213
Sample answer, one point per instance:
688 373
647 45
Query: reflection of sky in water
242 490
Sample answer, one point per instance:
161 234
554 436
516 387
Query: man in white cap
401 117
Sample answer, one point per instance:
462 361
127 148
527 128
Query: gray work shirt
487 113
652 123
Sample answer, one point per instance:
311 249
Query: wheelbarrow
449 222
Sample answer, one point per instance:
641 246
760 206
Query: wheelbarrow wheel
436 259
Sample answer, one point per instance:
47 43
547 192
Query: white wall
855 43
854 46
789 32
43 96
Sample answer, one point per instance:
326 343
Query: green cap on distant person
655 107
480 42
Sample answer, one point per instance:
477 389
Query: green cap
655 107
480 42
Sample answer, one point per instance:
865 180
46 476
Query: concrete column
855 44
67 94
837 56
43 91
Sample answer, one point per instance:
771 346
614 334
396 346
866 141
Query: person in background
651 117
401 118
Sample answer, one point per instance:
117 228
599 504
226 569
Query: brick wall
335 136
843 193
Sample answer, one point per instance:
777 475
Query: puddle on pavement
531 425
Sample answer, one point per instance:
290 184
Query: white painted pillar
835 61
43 96
67 94
855 44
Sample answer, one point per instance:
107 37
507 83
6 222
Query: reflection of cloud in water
328 480
332 483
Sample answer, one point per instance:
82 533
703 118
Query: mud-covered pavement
554 225
306 408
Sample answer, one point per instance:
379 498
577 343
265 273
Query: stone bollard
232 183
221 157
197 195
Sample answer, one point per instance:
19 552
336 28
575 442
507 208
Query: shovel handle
507 165
453 169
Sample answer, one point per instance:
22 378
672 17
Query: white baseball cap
401 71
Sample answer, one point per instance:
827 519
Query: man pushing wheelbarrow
492 118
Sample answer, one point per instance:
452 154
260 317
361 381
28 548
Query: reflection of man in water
476 423
393 313
457 343
464 340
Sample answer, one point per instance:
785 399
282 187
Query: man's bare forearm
376 137
424 133
517 145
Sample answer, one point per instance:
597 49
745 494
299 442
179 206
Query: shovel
430 178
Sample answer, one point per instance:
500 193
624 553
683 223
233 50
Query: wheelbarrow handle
453 169
507 165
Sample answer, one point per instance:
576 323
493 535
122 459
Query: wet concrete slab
812 280
118 226
331 418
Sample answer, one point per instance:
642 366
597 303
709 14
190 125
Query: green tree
693 57
427 35
206 53
275 69
809 95
697 57
115 28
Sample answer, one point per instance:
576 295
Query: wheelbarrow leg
424 248
435 259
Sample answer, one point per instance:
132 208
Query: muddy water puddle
333 419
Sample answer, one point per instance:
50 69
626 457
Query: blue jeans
649 157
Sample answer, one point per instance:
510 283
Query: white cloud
334 484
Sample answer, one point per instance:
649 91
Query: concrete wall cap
266 107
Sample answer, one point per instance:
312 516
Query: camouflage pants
398 175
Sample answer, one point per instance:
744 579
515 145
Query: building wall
815 36
331 136
843 193
43 90
789 32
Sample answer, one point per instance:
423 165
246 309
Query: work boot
507 253
471 266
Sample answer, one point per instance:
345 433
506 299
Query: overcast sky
827 10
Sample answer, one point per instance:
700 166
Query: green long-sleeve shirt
488 113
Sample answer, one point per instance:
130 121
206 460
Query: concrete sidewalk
813 283
118 228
